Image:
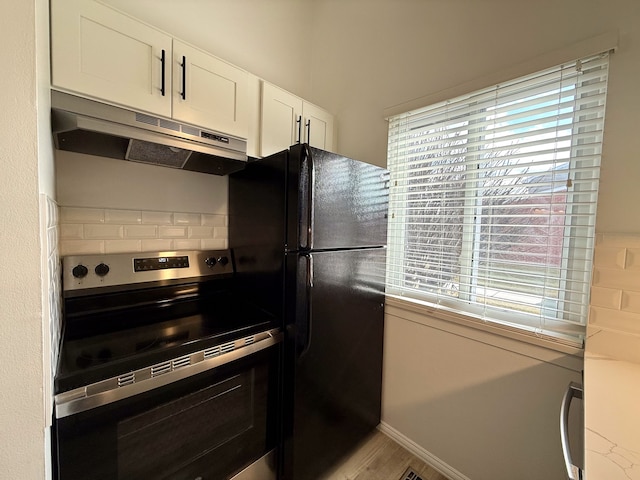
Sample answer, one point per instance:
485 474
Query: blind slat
493 197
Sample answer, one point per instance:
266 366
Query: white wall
23 352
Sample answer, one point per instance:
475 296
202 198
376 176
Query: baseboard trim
421 453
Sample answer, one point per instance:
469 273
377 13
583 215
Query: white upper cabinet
209 92
318 126
105 54
102 53
281 119
287 119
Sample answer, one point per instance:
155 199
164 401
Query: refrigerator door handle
573 390
308 318
307 203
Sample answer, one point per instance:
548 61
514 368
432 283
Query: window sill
457 324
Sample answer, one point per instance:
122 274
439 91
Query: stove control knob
102 269
211 262
79 271
223 261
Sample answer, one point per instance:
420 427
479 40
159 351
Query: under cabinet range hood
86 126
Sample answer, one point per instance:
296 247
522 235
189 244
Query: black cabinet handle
162 60
308 125
299 122
184 78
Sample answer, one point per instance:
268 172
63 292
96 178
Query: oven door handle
140 381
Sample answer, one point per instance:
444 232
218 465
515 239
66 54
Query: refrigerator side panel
257 225
348 202
337 356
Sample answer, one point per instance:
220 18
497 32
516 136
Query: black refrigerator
308 231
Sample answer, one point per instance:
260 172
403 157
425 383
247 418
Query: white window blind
493 200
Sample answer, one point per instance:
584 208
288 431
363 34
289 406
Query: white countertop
612 406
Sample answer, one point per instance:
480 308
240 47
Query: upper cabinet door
102 53
318 127
209 92
281 119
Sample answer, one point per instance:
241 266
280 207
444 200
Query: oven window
147 443
209 426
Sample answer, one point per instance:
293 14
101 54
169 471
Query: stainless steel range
166 372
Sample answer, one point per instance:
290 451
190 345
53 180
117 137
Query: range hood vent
86 126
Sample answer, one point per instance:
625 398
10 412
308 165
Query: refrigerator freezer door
335 349
343 202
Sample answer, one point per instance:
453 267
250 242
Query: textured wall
21 327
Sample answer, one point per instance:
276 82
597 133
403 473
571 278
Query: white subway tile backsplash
618 240
122 246
172 232
615 320
606 297
52 213
72 231
157 218
52 239
91 230
615 293
52 311
186 219
180 244
103 232
81 215
221 232
613 278
214 220
200 232
213 244
156 245
80 247
610 257
127 217
633 259
631 302
141 231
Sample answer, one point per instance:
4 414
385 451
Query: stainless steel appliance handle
159 375
574 390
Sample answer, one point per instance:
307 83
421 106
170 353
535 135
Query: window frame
508 319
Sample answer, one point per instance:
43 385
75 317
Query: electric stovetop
112 328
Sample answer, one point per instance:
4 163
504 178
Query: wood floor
380 458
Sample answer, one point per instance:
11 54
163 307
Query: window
493 200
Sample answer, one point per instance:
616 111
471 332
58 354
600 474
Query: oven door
208 425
